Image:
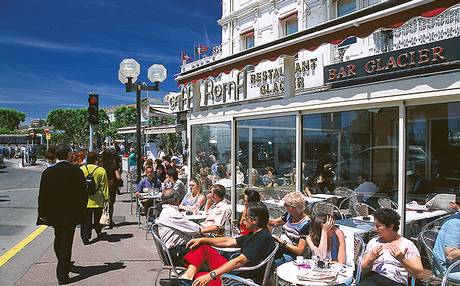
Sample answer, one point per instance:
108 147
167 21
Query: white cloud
77 48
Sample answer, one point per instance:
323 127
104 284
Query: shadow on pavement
88 271
125 223
116 237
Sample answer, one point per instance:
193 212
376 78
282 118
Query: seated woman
324 236
269 179
250 196
389 258
194 199
255 247
295 224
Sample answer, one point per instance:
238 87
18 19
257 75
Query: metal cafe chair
362 209
428 239
165 257
359 248
327 208
448 280
343 192
346 205
387 203
235 280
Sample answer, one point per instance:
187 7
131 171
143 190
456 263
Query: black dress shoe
64 281
175 282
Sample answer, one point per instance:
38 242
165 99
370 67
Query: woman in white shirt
390 259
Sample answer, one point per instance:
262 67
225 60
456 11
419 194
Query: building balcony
415 32
216 54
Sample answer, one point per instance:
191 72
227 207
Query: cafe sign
246 84
428 58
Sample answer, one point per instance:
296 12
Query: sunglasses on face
246 217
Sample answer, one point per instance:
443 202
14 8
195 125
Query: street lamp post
127 74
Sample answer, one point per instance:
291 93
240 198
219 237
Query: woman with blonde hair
194 199
295 225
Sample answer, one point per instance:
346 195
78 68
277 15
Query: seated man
255 247
447 247
150 181
218 210
366 188
174 228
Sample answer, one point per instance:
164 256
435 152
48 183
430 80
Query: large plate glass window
266 157
432 183
351 153
210 151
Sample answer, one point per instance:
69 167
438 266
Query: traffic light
93 109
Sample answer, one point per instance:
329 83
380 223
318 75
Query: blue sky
54 52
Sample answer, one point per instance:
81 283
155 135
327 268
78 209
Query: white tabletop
412 216
280 203
289 271
325 196
150 196
201 215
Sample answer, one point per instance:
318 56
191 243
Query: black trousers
63 240
374 279
92 218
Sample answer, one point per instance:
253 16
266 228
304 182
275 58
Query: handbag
105 217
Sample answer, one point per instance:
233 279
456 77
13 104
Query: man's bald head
170 197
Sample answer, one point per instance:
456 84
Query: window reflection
432 169
211 161
266 155
356 150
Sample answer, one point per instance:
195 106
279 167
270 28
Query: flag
184 57
200 49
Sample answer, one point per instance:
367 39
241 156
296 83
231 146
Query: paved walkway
124 258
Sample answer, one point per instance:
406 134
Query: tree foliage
125 116
10 119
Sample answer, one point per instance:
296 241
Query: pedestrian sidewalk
125 257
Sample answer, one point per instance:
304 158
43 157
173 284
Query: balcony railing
415 32
216 53
421 31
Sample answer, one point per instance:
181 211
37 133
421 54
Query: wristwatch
213 275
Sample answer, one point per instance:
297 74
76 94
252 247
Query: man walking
95 202
62 201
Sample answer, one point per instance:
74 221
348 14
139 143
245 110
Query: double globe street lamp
127 74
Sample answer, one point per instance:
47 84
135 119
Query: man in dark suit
61 203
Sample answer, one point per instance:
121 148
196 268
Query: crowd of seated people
389 258
295 226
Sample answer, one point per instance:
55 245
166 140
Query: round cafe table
201 215
288 272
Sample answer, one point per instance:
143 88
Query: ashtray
366 218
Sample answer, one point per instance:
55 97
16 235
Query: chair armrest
233 278
448 271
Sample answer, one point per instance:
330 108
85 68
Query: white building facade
314 95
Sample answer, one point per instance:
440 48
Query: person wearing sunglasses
295 224
250 196
255 247
194 199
